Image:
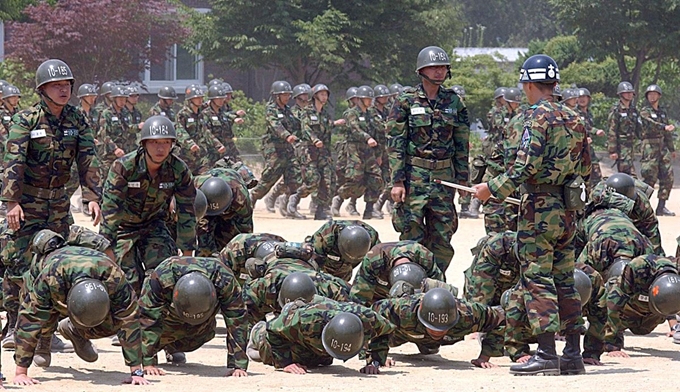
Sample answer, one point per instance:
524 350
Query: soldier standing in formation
625 127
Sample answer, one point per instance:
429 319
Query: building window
180 69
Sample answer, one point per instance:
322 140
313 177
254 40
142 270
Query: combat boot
283 205
335 207
269 202
368 212
8 343
115 341
322 213
661 209
466 213
42 356
475 206
313 206
292 207
544 361
572 361
59 346
352 207
83 347
389 206
377 208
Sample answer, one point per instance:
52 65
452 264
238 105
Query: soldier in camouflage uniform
9 106
229 117
372 282
137 200
625 127
87 96
341 153
115 136
105 92
496 120
217 125
334 258
43 143
277 147
465 318
583 110
362 154
241 248
553 153
216 229
381 111
200 148
428 136
297 333
164 326
135 117
165 104
42 307
657 148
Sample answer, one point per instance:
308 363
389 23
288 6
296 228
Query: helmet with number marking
158 127
119 92
193 92
569 93
301 89
53 70
45 241
106 88
215 82
86 89
281 87
88 303
432 56
343 336
200 204
226 87
219 195
583 286
365 92
539 68
557 91
167 92
460 90
194 298
438 310
513 94
296 286
499 92
624 87
411 273
664 294
351 93
9 91
216 92
381 91
653 88
396 88
622 183
583 92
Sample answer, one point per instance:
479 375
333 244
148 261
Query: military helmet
622 183
265 249
365 92
320 87
193 92
664 294
219 195
88 303
432 56
438 310
480 244
513 94
167 92
411 273
194 298
557 91
106 88
381 91
52 70
395 88
10 91
296 286
569 93
458 89
86 89
3 83
226 87
119 91
583 286
351 93
158 127
353 243
216 92
624 87
653 87
133 89
343 336
45 241
499 92
215 82
616 269
583 92
539 68
200 204
300 89
281 87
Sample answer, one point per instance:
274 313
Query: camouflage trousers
15 245
494 216
279 161
546 251
386 174
259 350
511 216
363 175
327 184
339 269
340 164
595 171
307 157
656 164
73 183
182 337
624 164
232 150
139 250
214 233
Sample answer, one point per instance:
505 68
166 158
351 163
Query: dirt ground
654 359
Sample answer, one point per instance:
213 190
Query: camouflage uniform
595 172
225 133
192 131
512 138
6 122
114 132
402 312
494 270
218 124
45 303
162 328
318 125
134 210
215 232
158 110
657 146
306 154
372 280
553 151
278 154
40 151
296 332
625 127
325 244
380 118
241 248
426 142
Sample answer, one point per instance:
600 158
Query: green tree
11 9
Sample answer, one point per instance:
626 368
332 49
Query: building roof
510 54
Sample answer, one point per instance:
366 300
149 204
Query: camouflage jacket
440 132
135 117
403 313
240 211
241 248
281 123
45 304
494 270
5 124
654 122
595 313
156 305
628 296
587 117
299 328
625 126
92 116
41 149
218 123
496 119
158 110
553 150
359 128
115 132
325 243
512 137
372 280
192 130
132 198
318 125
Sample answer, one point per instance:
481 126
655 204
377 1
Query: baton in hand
510 200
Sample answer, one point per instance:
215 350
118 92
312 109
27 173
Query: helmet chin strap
436 81
47 98
154 161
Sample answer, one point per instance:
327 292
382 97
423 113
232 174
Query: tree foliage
11 9
99 39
